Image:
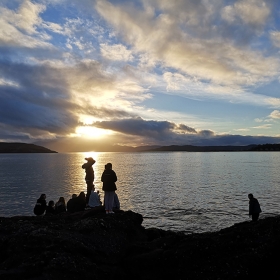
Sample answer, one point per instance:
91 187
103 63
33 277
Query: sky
92 74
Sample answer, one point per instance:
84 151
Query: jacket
109 178
254 206
89 171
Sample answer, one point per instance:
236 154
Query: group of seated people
75 204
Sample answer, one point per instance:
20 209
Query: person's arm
114 176
250 208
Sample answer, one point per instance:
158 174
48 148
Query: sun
91 131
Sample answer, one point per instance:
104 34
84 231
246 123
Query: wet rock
93 245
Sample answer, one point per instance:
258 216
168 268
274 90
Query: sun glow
91 131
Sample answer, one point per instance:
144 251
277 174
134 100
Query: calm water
190 192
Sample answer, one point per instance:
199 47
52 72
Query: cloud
26 18
169 133
265 126
20 28
164 36
275 38
253 12
275 114
242 129
116 52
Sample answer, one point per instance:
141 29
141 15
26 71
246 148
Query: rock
93 245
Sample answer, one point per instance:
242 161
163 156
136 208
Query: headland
23 148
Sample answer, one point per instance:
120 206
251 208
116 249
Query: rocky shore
93 245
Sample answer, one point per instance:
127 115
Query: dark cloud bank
154 133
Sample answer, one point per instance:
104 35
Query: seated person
40 206
60 206
79 202
71 204
94 199
50 210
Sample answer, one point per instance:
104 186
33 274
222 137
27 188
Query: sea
191 192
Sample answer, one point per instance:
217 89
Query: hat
90 159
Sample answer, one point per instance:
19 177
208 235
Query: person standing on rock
109 179
254 208
89 175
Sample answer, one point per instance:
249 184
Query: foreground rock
90 245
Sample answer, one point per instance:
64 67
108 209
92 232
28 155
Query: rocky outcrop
93 245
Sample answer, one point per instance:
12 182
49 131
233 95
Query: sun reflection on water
178 191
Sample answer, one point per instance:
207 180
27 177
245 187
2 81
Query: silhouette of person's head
82 195
108 165
61 199
250 196
51 203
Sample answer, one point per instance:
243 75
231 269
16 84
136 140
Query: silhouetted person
94 199
50 210
109 179
71 204
40 206
60 206
80 202
89 175
254 207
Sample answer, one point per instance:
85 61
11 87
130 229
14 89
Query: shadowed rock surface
93 245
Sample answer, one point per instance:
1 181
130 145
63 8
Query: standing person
89 175
254 207
41 205
109 179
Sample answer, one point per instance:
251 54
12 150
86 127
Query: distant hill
266 147
190 148
22 148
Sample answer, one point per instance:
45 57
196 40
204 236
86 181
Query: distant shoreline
6 148
32 148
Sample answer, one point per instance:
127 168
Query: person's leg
89 188
111 201
255 217
106 203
